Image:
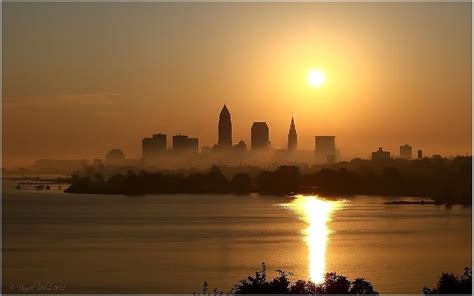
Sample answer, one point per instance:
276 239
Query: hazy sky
82 78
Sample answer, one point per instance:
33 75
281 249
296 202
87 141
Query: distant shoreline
444 182
426 201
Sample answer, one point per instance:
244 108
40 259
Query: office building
380 155
182 143
292 136
193 145
224 140
325 148
406 151
260 138
152 147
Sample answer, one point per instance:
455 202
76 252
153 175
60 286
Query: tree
98 177
285 179
335 284
361 286
253 285
332 284
241 183
449 283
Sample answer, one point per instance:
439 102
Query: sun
316 77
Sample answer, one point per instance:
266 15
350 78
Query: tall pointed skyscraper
224 140
292 136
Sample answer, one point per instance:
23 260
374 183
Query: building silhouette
114 157
224 140
292 136
241 146
193 145
160 142
182 143
380 155
420 154
259 138
406 151
152 147
147 148
325 148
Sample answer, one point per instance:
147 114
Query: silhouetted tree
215 169
332 284
116 179
75 178
335 284
449 283
361 286
253 285
285 179
241 183
299 287
130 174
447 181
98 177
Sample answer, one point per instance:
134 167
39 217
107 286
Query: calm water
172 243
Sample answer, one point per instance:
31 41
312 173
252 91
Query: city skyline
232 148
325 146
260 140
395 73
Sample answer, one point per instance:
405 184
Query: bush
449 283
332 284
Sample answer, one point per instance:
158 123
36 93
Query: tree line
444 180
333 283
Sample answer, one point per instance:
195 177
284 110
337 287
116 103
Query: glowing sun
316 77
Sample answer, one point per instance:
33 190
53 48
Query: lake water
173 243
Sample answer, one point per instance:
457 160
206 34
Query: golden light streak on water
316 212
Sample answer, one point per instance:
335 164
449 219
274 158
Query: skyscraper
325 148
292 136
182 143
225 129
147 148
159 141
405 151
259 136
152 147
193 145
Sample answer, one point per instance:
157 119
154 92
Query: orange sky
82 78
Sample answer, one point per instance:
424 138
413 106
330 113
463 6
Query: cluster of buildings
184 151
405 153
156 145
154 149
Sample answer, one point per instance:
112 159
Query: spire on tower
292 136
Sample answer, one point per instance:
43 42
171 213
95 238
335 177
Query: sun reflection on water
316 213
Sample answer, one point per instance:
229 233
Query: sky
82 78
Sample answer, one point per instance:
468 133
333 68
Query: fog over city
82 79
225 148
